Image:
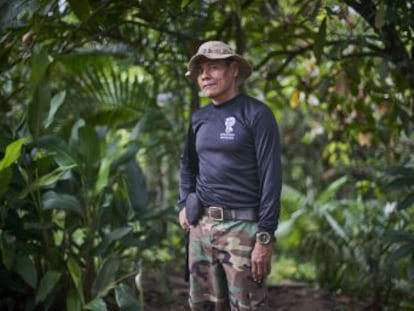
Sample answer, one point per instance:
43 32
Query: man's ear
234 65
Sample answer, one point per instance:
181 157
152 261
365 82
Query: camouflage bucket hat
218 50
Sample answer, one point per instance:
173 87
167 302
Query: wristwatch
263 238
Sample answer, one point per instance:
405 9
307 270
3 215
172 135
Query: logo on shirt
228 131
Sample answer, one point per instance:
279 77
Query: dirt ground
284 297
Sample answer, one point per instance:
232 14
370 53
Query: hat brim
245 70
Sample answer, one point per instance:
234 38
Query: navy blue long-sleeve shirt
232 159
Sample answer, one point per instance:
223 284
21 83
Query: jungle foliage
95 105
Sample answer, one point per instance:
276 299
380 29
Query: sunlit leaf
294 99
13 151
77 277
103 175
56 103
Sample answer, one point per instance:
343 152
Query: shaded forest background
94 110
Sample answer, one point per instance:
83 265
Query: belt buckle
212 210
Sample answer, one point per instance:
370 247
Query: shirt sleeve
188 168
268 154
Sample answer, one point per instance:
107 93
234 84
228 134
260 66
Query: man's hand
261 260
182 217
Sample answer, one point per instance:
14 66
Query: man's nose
204 74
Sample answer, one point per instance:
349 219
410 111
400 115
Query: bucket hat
218 50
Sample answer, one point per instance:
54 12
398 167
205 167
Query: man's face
217 79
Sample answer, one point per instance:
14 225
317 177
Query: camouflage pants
220 268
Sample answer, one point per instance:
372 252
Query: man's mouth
208 86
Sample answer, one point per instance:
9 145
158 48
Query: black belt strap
221 214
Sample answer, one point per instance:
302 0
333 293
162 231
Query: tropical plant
75 222
350 249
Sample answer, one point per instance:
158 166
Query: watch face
263 238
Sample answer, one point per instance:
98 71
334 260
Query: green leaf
47 284
407 202
5 179
13 151
124 299
81 8
320 41
39 105
106 276
73 302
103 175
56 102
380 16
63 154
118 234
25 267
330 192
400 236
8 249
45 180
76 275
40 65
113 116
137 192
96 305
115 235
66 202
402 252
335 226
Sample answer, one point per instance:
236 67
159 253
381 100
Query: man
231 161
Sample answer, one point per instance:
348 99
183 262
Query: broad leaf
56 103
103 175
137 192
76 275
8 249
73 302
46 180
66 202
25 267
39 106
115 235
124 299
64 155
106 276
13 151
47 284
96 305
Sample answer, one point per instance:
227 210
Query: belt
220 213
